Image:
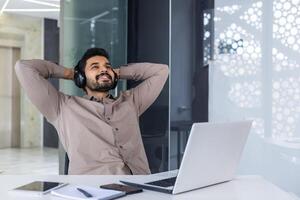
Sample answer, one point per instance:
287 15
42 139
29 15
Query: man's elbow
165 69
19 65
22 64
21 68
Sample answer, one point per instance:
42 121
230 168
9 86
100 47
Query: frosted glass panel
255 74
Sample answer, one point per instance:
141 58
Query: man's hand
69 74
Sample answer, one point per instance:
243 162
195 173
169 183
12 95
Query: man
99 132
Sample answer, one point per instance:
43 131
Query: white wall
25 33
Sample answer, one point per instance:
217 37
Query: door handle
181 109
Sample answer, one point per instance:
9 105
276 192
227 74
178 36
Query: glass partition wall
188 74
254 74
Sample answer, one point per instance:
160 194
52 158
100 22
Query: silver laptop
211 156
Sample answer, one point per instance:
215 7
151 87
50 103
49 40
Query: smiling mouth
103 77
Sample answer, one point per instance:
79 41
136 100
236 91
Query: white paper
71 192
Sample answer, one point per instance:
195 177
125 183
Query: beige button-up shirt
99 137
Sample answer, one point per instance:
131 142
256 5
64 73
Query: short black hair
91 53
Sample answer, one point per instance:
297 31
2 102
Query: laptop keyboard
164 182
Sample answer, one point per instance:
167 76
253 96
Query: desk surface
241 188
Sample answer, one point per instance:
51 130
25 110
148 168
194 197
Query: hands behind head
69 74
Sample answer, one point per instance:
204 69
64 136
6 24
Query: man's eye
94 67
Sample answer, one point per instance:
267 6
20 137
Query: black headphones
80 78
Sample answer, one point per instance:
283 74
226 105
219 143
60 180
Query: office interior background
229 60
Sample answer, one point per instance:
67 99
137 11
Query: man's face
99 74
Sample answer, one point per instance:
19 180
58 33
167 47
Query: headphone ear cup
79 79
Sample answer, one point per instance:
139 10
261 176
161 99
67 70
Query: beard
96 86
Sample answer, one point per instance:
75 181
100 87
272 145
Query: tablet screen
39 186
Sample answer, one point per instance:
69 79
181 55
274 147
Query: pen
84 192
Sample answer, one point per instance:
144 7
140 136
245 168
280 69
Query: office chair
154 125
67 161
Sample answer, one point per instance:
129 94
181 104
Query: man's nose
103 70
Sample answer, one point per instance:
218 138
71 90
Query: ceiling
36 8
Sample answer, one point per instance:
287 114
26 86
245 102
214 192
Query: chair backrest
66 169
155 120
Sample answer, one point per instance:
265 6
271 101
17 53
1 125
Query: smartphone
123 188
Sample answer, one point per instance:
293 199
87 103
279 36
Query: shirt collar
109 97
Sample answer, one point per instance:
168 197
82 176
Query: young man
99 132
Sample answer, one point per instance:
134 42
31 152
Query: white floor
28 161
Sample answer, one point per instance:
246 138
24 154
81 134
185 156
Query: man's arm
33 75
153 76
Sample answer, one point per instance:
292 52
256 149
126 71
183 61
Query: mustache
103 74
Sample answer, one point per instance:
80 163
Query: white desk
242 188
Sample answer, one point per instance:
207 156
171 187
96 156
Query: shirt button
121 147
108 118
116 129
